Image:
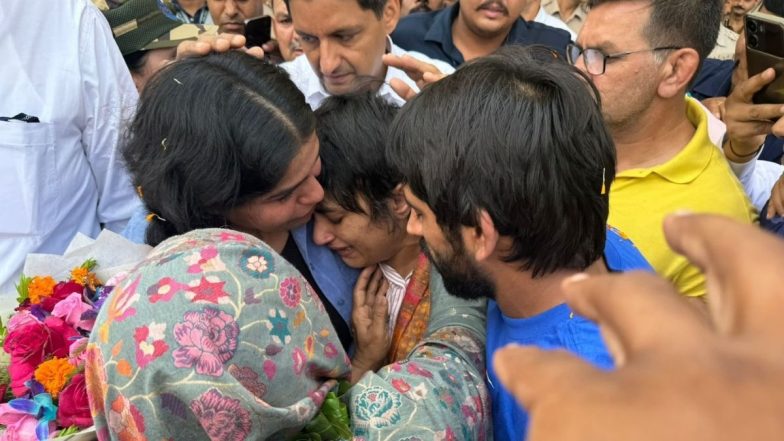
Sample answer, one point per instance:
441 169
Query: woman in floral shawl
215 336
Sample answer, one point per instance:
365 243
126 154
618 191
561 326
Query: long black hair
210 134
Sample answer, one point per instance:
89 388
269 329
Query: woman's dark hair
352 133
520 135
210 134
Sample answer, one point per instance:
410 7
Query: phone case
765 49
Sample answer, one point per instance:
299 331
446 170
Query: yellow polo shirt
698 179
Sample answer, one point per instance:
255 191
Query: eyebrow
287 191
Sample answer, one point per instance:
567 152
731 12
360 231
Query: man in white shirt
344 43
61 175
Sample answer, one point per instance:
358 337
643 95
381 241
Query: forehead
323 17
617 23
279 5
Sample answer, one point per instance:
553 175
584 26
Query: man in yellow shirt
642 55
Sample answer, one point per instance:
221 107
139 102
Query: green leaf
66 432
89 264
21 288
3 332
331 423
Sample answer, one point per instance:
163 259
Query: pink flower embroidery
249 379
205 260
207 340
299 360
270 369
330 350
290 292
232 237
414 368
401 385
164 290
150 343
221 417
208 289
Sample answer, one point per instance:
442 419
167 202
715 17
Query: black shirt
291 253
431 34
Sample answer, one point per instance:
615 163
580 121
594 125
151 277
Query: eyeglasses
596 60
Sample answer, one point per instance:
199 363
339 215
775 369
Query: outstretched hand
421 72
207 44
679 375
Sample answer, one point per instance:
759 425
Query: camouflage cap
149 24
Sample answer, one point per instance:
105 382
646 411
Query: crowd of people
473 219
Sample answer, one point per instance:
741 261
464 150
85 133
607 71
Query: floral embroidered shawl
414 312
215 336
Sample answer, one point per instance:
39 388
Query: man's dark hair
519 134
685 23
352 132
210 134
377 6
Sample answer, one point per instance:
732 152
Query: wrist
739 156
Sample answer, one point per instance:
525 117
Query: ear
677 72
398 205
481 240
391 15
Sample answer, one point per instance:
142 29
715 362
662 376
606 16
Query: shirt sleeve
758 178
108 103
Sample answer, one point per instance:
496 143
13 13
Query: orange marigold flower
40 288
84 277
54 374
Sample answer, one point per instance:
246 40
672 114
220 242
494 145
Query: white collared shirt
554 22
395 293
62 175
307 81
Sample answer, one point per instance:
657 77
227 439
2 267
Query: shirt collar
316 90
551 7
393 277
690 162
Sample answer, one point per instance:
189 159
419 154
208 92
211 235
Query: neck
472 45
191 6
521 296
566 8
404 261
653 138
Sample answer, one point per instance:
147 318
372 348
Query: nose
414 226
322 235
329 60
312 192
230 9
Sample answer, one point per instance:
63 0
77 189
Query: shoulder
621 254
416 24
531 32
585 340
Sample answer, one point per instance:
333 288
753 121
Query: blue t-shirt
557 328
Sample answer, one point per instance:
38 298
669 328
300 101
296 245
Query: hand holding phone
765 49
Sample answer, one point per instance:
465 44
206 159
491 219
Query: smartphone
765 49
258 31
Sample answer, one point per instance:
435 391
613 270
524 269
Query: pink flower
20 426
61 335
205 260
207 339
290 292
249 379
299 360
73 407
21 318
401 385
27 345
71 309
164 290
270 369
221 417
61 291
330 350
76 352
150 343
208 289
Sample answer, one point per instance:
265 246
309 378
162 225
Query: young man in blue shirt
508 166
474 28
